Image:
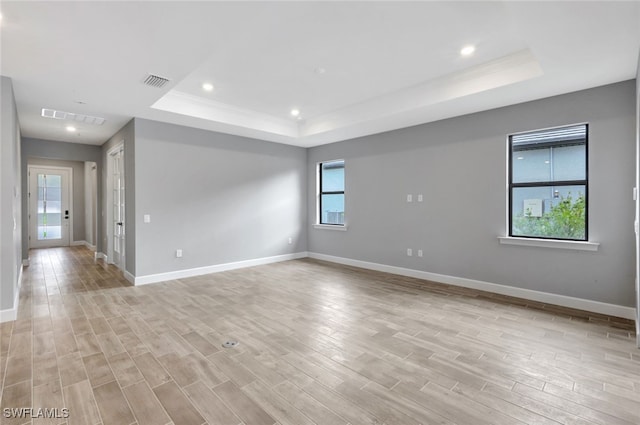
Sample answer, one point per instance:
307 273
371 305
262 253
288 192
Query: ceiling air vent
156 81
61 115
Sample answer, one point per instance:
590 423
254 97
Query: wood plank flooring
318 344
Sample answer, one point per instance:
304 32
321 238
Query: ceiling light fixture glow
71 128
295 112
467 50
207 87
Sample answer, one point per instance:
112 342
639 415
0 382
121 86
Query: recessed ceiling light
546 162
71 128
521 157
467 50
295 112
207 87
320 71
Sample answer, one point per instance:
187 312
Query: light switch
420 197
147 218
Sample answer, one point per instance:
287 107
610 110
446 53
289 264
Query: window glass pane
332 209
549 212
532 165
569 162
54 181
53 194
54 219
333 176
49 232
54 207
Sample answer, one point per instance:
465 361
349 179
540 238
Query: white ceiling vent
155 81
61 115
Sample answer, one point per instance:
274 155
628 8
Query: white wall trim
131 278
179 274
339 227
544 297
11 314
83 243
550 243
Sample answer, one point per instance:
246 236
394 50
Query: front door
49 207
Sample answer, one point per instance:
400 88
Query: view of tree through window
548 183
331 197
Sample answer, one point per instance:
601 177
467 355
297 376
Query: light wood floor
318 344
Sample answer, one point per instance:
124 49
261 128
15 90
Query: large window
548 183
331 192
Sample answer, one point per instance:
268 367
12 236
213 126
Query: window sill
550 243
339 227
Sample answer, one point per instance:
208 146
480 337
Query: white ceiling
386 64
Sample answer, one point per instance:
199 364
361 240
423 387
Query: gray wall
459 165
125 135
90 202
61 151
78 211
220 198
10 193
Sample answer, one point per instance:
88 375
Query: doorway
50 215
116 226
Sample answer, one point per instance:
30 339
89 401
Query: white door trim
71 212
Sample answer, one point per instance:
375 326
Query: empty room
319 212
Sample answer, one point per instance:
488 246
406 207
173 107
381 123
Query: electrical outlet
147 218
178 253
409 252
290 241
409 198
420 197
419 253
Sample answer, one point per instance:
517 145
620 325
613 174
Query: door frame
109 207
71 212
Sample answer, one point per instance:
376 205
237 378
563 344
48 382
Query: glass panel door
49 207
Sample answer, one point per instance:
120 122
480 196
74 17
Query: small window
331 192
548 184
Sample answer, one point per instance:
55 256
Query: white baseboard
83 243
544 297
11 314
179 274
131 278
